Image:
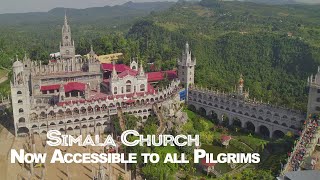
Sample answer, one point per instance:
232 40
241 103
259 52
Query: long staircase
157 111
121 119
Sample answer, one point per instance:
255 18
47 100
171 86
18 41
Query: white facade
129 81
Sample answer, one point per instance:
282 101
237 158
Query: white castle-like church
78 95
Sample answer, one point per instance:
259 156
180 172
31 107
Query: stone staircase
159 115
121 119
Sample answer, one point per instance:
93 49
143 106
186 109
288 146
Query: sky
21 6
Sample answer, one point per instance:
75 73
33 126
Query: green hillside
229 38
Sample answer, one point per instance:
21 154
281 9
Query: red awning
130 101
71 86
50 87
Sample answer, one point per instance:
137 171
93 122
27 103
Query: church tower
67 49
186 67
314 93
20 95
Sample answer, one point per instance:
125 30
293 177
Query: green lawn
3 72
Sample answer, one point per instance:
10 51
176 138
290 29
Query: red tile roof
119 67
158 76
204 163
225 138
128 72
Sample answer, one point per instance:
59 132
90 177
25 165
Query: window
115 90
318 90
19 92
142 87
317 108
128 86
20 110
318 99
20 101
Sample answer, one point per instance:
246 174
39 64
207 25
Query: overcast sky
19 6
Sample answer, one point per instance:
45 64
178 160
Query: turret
141 70
133 65
314 93
67 48
20 95
186 67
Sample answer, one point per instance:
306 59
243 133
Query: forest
275 47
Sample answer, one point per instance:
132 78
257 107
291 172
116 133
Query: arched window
20 101
128 86
115 90
22 120
142 87
20 110
19 92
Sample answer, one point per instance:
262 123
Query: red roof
118 67
225 138
127 72
71 86
158 76
204 163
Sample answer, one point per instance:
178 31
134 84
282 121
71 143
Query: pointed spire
141 71
25 56
65 18
187 48
114 72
